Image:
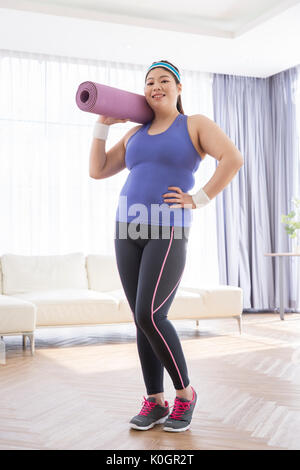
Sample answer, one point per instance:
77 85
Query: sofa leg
31 338
32 344
239 319
197 323
2 351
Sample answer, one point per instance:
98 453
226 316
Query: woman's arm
216 143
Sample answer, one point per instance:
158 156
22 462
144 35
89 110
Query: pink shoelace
179 408
147 407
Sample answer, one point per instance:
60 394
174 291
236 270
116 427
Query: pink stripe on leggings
152 312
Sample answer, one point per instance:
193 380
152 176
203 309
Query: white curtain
48 202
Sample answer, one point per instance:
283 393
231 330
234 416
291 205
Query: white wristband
101 130
200 198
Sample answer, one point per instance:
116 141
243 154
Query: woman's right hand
110 120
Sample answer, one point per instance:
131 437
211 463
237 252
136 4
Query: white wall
267 49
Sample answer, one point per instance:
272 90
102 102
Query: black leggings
150 269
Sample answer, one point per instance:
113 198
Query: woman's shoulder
194 124
131 132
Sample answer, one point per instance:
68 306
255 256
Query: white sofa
74 289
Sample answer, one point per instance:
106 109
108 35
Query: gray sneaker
181 416
151 414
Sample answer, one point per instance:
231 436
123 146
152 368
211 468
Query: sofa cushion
23 274
16 316
219 300
214 301
0 278
73 307
103 273
185 305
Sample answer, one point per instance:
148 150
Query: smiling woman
153 220
150 259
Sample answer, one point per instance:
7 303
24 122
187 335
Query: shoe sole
181 429
176 430
145 428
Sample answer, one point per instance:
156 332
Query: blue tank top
156 162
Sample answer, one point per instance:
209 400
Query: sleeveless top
156 162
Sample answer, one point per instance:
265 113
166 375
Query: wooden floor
84 384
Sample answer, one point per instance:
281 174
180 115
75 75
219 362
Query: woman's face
161 82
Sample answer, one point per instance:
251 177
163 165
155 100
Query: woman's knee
143 318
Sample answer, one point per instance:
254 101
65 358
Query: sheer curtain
48 202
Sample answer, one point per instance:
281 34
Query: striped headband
166 66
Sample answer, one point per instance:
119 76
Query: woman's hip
140 232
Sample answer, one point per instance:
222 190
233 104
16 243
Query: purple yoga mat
113 102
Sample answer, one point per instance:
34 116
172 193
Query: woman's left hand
182 199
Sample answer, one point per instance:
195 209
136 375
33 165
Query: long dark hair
179 103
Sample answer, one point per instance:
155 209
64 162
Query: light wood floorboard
84 384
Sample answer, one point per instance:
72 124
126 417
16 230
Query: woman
151 232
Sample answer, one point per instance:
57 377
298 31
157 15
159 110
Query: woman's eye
162 81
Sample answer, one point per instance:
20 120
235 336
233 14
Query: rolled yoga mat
113 102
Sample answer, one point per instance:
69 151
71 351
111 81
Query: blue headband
166 66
